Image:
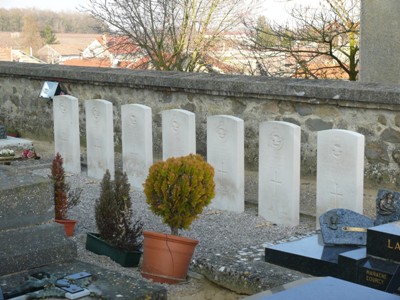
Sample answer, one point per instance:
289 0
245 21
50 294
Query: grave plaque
387 207
340 171
344 227
3 132
225 152
379 274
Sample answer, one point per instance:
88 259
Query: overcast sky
273 9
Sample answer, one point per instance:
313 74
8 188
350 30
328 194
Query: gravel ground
216 230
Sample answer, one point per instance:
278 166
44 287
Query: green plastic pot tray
125 258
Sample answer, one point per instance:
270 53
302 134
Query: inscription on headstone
340 171
99 138
66 132
178 133
279 172
137 142
225 152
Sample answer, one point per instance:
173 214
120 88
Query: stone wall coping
320 91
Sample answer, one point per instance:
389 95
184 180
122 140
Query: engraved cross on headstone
336 195
275 182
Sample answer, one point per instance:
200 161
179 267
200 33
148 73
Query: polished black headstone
308 255
3 132
384 241
329 288
387 207
344 227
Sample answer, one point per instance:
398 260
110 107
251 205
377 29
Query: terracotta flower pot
69 226
166 258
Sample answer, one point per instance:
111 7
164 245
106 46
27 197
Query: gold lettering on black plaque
375 277
393 245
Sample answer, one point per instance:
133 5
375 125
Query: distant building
9 54
58 53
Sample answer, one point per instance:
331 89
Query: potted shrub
177 190
64 197
118 237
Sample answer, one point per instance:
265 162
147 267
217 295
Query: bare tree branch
174 34
320 42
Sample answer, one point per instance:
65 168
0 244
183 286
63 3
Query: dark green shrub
113 214
179 188
64 197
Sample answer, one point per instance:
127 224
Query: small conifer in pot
113 213
179 188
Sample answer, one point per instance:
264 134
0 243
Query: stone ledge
30 247
340 92
248 277
25 200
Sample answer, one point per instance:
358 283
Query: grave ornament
43 285
387 207
344 227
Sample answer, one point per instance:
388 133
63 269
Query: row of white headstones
340 155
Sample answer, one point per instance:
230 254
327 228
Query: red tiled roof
89 62
5 54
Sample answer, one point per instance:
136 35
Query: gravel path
217 231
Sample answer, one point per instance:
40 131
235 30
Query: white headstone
178 133
137 142
66 132
340 171
279 172
225 152
99 138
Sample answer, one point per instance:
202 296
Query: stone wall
370 109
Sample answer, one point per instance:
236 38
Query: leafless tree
174 34
32 40
320 42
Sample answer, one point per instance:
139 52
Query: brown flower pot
69 226
166 257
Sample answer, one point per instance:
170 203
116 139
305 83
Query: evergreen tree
48 35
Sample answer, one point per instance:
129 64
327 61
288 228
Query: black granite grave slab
344 227
380 274
349 263
308 255
329 288
387 207
384 241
